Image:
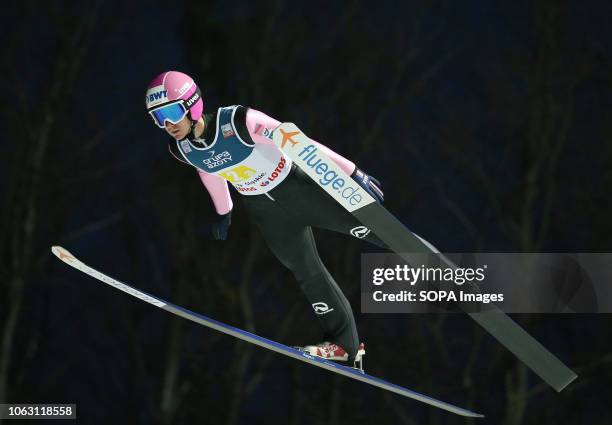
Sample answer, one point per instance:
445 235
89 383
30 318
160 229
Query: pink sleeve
219 192
260 125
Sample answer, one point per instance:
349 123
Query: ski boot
330 351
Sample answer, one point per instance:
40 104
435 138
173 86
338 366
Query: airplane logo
287 137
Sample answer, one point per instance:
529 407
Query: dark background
487 122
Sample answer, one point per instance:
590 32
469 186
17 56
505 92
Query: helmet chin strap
191 135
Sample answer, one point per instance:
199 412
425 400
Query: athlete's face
179 131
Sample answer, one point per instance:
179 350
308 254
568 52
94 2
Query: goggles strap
188 103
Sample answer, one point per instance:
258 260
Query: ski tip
464 412
467 413
62 253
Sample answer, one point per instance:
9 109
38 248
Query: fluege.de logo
325 172
329 177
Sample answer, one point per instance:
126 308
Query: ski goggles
173 112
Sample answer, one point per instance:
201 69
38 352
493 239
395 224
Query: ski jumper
282 201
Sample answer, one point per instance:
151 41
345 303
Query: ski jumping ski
349 372
296 145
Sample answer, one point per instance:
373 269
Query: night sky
487 122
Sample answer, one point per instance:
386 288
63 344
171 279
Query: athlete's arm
218 191
215 185
260 127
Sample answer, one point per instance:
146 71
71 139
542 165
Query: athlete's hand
369 183
220 228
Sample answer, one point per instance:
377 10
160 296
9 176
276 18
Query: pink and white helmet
170 86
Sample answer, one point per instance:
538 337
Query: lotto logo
238 174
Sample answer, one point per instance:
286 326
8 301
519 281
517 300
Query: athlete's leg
318 209
292 242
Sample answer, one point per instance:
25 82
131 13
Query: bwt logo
157 95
